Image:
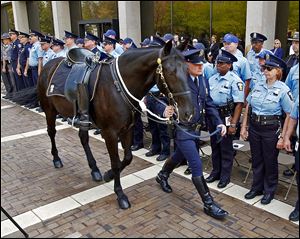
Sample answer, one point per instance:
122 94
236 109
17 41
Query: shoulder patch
240 86
290 95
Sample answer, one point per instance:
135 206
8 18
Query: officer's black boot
163 175
83 105
210 207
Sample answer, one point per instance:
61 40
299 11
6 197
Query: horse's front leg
111 141
126 140
84 139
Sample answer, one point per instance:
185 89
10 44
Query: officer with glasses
264 111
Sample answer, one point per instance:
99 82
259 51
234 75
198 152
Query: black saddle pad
57 83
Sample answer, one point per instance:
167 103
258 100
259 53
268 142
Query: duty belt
226 110
266 119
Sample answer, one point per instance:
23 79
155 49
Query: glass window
99 10
46 19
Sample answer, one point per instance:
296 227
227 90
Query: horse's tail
26 96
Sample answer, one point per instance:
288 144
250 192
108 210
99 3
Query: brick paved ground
29 180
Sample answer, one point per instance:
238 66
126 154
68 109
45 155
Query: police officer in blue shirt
70 39
267 102
187 145
292 81
35 55
128 43
259 76
23 59
16 45
241 67
227 92
48 53
91 42
110 33
58 48
291 125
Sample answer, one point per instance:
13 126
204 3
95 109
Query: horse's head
172 81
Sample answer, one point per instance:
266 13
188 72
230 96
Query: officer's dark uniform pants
18 79
222 157
188 149
34 74
27 79
8 78
138 130
263 140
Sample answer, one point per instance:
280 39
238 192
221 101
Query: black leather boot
210 207
83 105
163 175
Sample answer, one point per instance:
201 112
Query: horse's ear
182 46
167 48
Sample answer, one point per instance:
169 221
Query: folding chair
243 147
286 160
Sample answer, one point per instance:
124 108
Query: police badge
201 53
240 86
267 57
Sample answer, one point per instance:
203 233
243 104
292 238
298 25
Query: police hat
228 38
57 42
109 40
295 37
274 61
255 36
263 53
70 35
110 32
168 37
92 37
12 31
156 41
23 34
5 36
45 40
145 42
225 56
35 33
79 41
129 41
199 45
195 56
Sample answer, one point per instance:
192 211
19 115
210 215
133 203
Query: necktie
196 81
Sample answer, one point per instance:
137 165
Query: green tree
293 22
46 20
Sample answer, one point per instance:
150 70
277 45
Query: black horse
109 108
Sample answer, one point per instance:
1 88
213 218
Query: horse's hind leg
84 139
51 118
126 141
111 141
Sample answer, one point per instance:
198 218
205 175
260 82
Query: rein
170 95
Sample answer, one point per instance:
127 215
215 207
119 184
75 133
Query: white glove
223 129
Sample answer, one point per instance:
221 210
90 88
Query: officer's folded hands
169 111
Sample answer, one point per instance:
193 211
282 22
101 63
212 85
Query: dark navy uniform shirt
15 50
24 54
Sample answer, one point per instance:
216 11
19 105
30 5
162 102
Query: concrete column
20 16
261 17
61 18
130 20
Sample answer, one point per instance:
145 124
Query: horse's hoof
58 163
96 175
124 202
108 176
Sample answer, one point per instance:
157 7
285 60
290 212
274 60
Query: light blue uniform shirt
226 88
154 88
35 53
119 49
292 81
48 55
295 114
257 77
208 70
242 67
69 48
61 53
270 101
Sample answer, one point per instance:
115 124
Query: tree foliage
293 24
99 10
46 19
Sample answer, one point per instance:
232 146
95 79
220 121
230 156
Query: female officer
227 92
187 145
266 102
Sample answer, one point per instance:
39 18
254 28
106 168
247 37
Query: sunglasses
268 68
221 63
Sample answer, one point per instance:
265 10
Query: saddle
82 63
